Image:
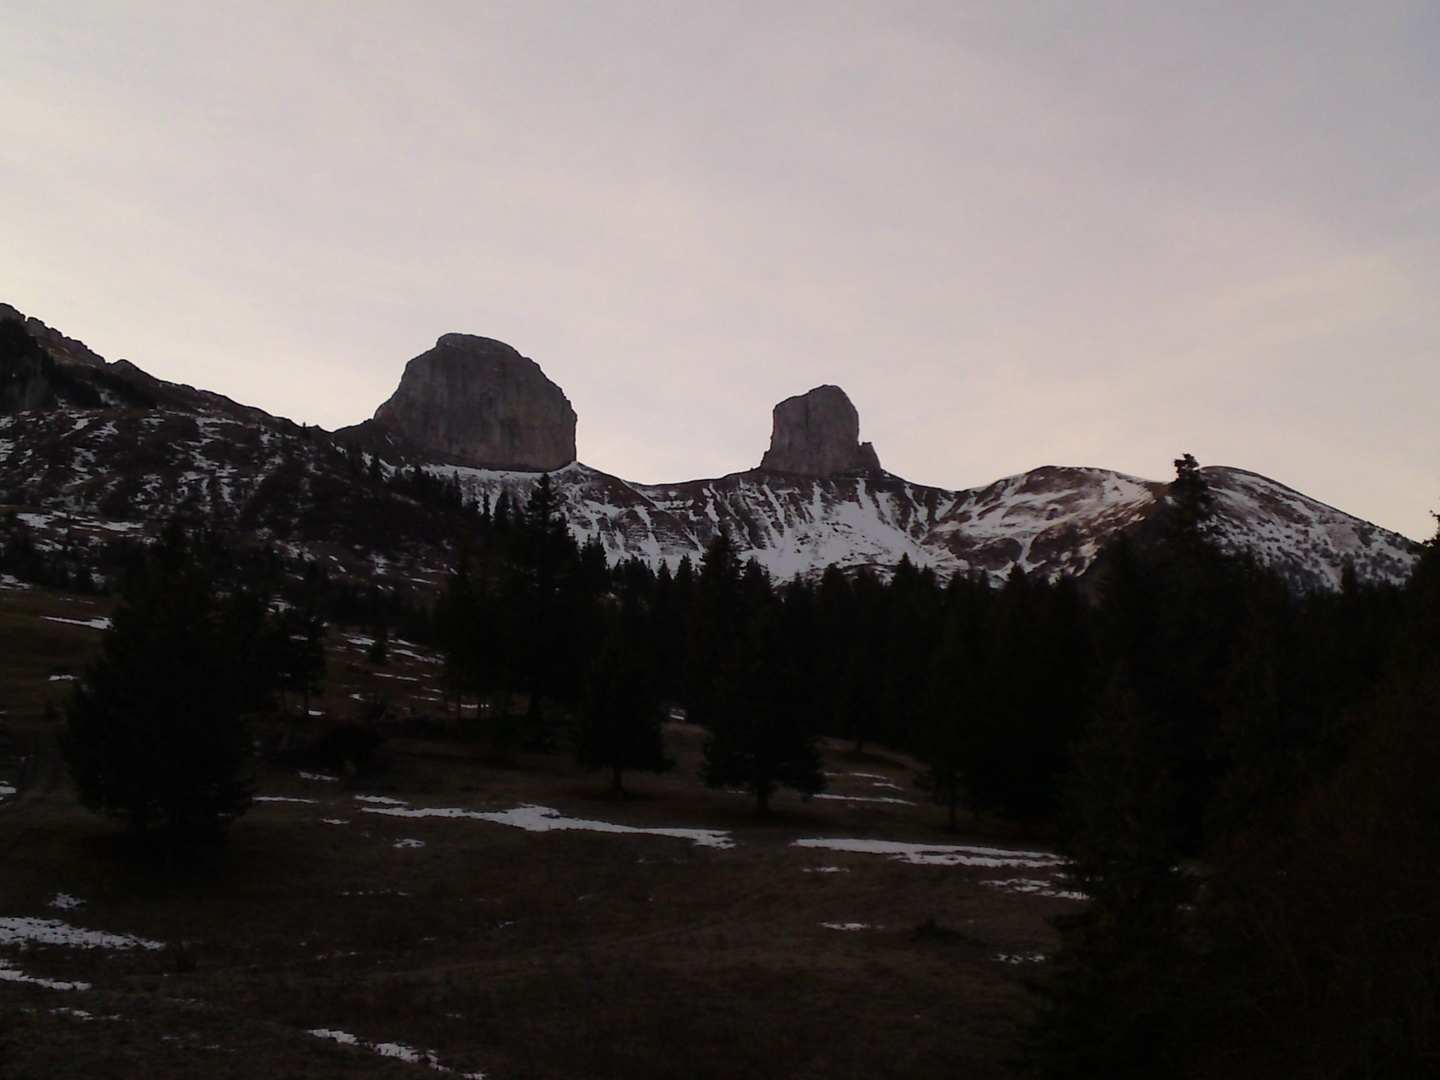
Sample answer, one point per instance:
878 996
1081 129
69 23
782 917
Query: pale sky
1017 233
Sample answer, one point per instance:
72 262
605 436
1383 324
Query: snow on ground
936 854
282 798
865 798
8 973
1038 888
100 622
543 819
54 932
824 869
848 926
66 902
6 790
393 1050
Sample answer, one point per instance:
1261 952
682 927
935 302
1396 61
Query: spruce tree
761 735
154 735
620 715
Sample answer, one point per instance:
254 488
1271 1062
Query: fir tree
759 724
620 715
154 735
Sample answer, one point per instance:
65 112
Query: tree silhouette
620 715
154 734
759 724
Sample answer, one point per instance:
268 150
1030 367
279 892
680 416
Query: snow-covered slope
1048 521
1306 542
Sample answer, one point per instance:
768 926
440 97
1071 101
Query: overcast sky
1017 233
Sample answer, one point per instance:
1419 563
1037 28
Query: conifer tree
154 735
761 735
620 715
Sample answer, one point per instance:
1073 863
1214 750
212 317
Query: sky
1017 234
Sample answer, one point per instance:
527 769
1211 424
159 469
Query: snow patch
54 932
100 622
865 798
8 973
533 818
1034 887
935 854
397 1050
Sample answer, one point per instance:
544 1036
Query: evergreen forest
1242 777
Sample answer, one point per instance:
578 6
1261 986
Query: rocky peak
64 350
481 403
818 434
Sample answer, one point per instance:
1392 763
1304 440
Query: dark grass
555 955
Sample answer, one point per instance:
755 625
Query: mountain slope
86 465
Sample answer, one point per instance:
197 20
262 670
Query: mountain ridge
125 463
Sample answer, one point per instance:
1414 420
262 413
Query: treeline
994 687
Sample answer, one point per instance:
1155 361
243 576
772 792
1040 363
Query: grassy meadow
339 934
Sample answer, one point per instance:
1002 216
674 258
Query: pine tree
761 735
620 715
1114 1002
154 735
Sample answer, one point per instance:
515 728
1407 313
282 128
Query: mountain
93 454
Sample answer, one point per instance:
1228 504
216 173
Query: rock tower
480 402
818 434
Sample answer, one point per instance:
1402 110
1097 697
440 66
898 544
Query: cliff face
481 403
818 434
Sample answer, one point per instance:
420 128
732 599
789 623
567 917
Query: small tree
760 731
300 653
620 715
154 736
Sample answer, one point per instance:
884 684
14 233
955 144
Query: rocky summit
818 434
480 403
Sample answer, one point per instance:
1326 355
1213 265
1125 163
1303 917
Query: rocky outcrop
64 350
480 403
818 434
